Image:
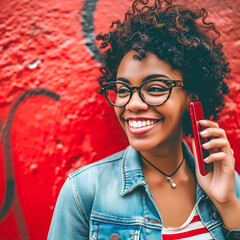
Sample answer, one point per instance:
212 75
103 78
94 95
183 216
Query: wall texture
52 120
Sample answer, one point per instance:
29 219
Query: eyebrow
152 76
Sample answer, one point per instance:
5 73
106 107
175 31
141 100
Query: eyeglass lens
153 93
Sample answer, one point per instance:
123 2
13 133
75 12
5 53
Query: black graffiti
11 198
10 186
88 28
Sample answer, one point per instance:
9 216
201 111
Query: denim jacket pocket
104 230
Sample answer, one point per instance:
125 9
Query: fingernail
206 159
207 144
204 132
203 121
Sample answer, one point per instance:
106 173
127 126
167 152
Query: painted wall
52 120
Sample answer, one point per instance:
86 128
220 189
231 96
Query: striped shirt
192 229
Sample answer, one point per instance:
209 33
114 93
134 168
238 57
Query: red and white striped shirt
192 229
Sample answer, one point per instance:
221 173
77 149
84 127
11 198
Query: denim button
114 237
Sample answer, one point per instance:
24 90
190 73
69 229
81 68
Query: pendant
173 184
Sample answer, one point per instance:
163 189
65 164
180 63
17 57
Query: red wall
52 120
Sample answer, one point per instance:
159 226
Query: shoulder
92 179
86 184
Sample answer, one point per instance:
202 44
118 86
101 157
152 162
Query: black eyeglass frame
170 83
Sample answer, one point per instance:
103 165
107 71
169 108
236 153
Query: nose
136 103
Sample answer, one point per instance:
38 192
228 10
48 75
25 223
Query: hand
220 183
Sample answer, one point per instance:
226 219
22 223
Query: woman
156 61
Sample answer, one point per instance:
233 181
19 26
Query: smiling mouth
141 123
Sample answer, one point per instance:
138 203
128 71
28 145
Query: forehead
135 71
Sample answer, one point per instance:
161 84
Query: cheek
173 112
118 112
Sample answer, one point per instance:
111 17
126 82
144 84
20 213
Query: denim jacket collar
132 175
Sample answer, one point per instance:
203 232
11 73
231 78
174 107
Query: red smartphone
196 114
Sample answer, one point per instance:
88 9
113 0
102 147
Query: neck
167 159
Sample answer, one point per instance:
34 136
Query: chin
142 145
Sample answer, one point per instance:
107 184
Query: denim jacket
110 199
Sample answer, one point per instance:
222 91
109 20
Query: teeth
139 124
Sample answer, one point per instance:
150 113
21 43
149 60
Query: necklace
173 184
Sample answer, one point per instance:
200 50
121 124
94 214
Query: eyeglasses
153 92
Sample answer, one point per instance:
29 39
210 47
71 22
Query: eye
123 91
157 90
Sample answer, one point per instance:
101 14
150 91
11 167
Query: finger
219 156
217 143
222 158
213 132
208 123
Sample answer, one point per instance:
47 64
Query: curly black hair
181 37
